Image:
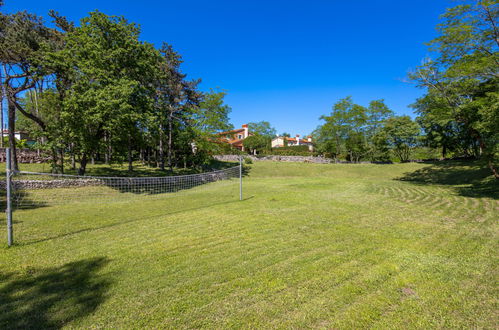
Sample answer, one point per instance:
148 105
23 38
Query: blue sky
286 62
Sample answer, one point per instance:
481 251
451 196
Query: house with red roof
235 137
283 141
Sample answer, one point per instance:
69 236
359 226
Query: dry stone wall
275 158
25 156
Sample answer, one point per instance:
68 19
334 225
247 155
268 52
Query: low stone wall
47 184
128 184
275 158
25 156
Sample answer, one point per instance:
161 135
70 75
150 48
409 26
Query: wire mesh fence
39 189
72 200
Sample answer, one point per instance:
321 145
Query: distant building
283 141
18 135
235 137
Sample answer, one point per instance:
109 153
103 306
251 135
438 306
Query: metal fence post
240 178
8 210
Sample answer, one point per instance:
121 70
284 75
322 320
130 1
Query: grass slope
321 246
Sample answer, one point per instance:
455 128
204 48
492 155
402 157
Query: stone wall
275 158
127 184
26 156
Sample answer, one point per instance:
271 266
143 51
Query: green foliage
111 73
97 89
248 160
212 115
401 134
459 112
300 148
353 131
20 144
262 128
257 143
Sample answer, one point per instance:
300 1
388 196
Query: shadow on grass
173 184
52 297
21 201
469 178
126 221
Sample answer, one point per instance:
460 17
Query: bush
248 160
420 153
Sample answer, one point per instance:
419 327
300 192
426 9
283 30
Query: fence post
8 210
240 178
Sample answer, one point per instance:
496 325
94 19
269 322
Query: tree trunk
12 136
170 142
83 164
107 152
61 156
161 149
54 160
143 156
493 169
73 160
130 164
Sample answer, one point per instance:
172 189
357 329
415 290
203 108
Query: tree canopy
96 89
460 109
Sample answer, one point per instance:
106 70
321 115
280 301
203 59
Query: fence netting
32 189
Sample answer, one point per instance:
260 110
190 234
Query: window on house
239 136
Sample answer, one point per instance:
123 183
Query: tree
256 143
22 38
465 66
177 102
343 130
212 116
401 133
110 73
262 128
377 113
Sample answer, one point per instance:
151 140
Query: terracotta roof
231 132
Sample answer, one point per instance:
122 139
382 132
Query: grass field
310 246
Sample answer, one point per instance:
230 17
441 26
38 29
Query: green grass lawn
310 246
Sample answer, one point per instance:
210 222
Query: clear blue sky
286 62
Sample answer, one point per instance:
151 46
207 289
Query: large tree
212 116
22 40
344 130
262 128
110 73
377 114
177 101
401 133
462 76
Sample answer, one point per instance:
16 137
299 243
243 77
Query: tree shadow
136 185
20 201
469 178
167 184
52 297
136 218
